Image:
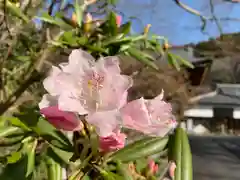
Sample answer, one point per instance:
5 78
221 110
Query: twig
191 10
214 17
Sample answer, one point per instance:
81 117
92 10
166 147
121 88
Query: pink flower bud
119 20
171 170
67 121
113 142
153 167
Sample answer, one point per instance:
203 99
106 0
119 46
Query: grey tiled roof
227 94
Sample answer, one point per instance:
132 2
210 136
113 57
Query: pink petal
113 142
110 64
105 122
153 167
71 104
114 93
79 61
135 115
49 82
47 101
153 117
62 120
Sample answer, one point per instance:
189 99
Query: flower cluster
98 90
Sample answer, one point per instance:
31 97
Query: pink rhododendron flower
67 121
153 167
113 142
153 117
84 86
119 20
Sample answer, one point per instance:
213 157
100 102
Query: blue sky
176 24
179 26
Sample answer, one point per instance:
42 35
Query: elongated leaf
14 157
125 28
131 146
186 162
177 153
139 55
119 39
6 131
15 171
17 122
30 148
172 60
52 135
54 170
60 156
113 27
16 11
79 9
182 155
32 119
184 61
140 150
52 20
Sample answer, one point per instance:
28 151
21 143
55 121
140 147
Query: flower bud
146 28
88 23
66 121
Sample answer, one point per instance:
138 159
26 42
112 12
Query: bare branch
191 10
214 17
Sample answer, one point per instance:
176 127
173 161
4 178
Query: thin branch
214 17
191 10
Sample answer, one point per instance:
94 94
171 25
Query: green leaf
6 131
123 171
32 119
16 11
16 170
142 57
30 148
187 171
140 149
184 61
79 9
54 170
118 39
129 147
172 60
52 20
182 155
177 153
60 156
70 38
14 157
113 27
125 28
52 135
95 49
140 164
17 122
